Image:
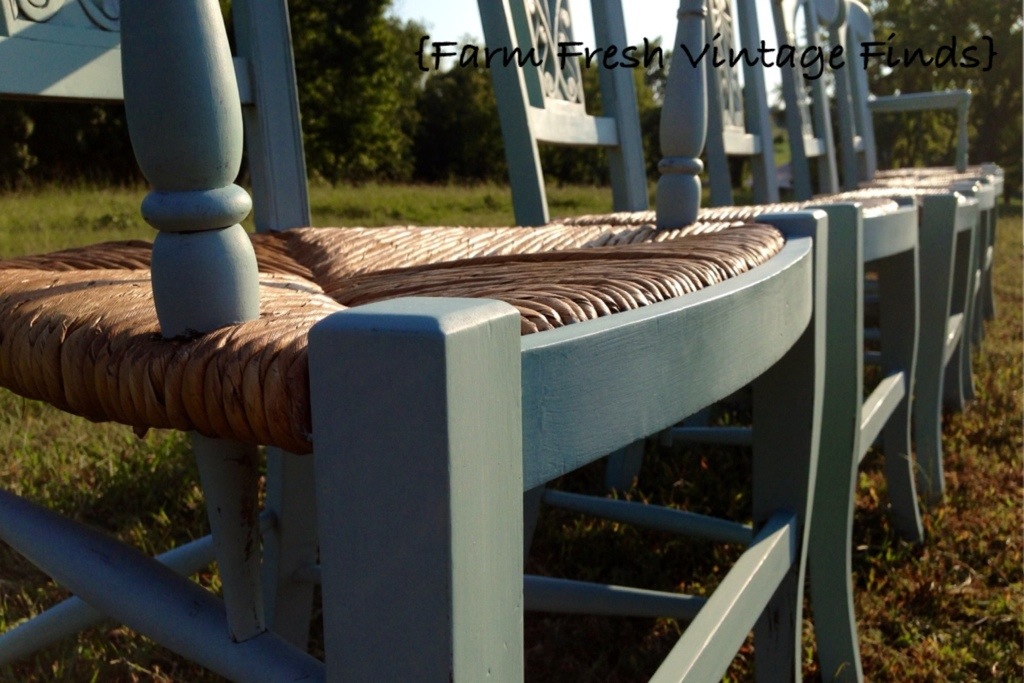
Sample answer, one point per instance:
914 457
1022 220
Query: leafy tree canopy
995 113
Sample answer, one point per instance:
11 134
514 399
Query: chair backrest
799 23
850 27
739 124
70 50
544 102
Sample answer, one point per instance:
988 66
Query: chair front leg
830 559
898 313
937 237
787 442
417 434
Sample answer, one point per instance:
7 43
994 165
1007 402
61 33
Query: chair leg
898 312
417 419
958 388
987 292
830 543
984 305
784 457
229 475
936 247
290 546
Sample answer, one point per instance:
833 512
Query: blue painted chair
884 235
889 236
71 50
572 414
948 318
429 417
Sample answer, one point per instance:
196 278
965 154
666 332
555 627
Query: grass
950 609
37 221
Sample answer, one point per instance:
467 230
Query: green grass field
950 609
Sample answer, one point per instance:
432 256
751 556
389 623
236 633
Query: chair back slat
273 129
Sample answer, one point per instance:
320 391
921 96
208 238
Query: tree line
369 113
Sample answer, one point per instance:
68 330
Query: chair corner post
418 448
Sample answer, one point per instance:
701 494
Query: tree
356 88
51 142
995 121
459 136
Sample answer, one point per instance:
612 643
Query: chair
571 415
852 22
452 375
890 237
886 236
952 320
946 229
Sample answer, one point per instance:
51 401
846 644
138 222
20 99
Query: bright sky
456 19
453 19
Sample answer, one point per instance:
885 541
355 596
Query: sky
456 19
453 19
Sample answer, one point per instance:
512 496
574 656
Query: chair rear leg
958 388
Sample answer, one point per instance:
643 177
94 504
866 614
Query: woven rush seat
78 328
874 204
937 172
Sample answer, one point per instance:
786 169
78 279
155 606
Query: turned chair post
678 194
185 122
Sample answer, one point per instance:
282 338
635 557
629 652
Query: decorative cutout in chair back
60 49
540 98
551 24
101 14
